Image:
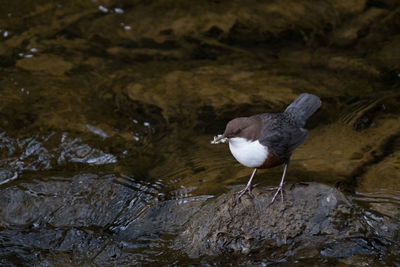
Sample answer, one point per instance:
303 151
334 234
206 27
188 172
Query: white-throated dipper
267 140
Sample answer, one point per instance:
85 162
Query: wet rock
198 87
162 218
385 3
50 64
342 149
75 218
357 27
352 65
349 7
388 55
55 22
75 202
35 153
382 195
176 22
144 54
389 172
313 217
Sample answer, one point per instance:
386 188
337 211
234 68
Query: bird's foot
247 189
278 189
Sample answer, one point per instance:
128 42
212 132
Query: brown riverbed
107 110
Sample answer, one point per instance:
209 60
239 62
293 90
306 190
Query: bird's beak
219 139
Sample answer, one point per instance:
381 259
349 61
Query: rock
163 218
388 171
340 149
388 56
381 195
68 206
181 23
352 65
357 27
199 87
50 64
313 218
346 7
135 55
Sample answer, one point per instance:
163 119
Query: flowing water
107 110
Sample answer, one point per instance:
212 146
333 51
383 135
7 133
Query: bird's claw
244 190
279 189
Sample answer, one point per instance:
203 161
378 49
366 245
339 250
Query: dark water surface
107 109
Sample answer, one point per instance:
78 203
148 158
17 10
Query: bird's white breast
249 153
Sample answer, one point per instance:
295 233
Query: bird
267 140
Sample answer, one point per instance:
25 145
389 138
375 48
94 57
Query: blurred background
107 110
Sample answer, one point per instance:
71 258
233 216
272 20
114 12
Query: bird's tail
303 107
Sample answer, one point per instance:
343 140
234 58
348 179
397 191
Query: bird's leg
281 184
248 186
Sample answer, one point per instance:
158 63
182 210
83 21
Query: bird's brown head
246 127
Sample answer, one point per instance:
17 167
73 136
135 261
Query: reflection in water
384 202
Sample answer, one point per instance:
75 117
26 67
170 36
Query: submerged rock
51 64
313 219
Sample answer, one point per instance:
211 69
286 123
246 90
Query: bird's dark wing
280 135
